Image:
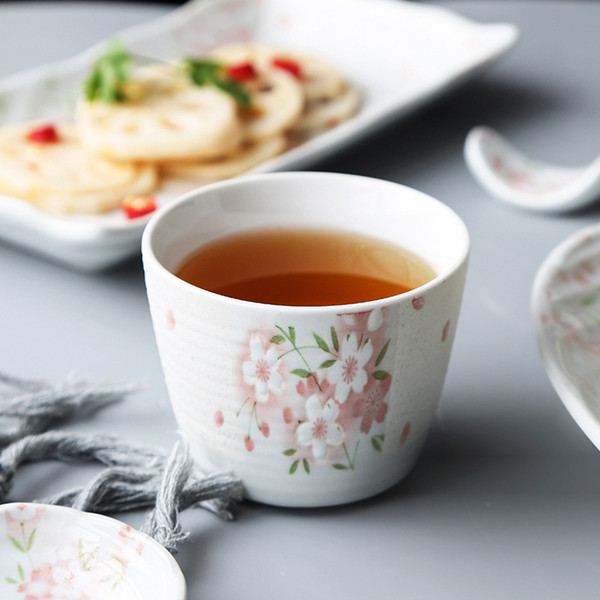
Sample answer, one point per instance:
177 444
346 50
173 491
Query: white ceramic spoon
521 181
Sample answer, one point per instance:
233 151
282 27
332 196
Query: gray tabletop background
505 501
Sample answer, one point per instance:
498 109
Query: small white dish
566 313
509 175
58 553
400 54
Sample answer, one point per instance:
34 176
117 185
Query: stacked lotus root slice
201 120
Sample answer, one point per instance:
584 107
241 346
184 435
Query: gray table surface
505 501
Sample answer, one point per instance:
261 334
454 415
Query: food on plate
45 164
161 115
269 100
317 78
197 119
328 98
324 113
289 94
137 205
247 156
276 103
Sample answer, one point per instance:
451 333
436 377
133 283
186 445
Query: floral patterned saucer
566 310
58 553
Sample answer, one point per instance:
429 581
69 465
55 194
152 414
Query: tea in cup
304 323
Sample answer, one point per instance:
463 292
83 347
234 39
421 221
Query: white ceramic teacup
310 406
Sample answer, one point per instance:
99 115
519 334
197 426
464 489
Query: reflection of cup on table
309 405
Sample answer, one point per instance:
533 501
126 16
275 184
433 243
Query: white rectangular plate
399 54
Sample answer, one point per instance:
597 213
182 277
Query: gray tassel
135 476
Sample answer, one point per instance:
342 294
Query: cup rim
148 254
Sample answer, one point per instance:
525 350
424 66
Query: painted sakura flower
261 370
369 320
311 385
348 373
41 584
71 579
22 519
23 512
131 548
445 330
375 319
126 533
370 406
320 430
418 302
349 318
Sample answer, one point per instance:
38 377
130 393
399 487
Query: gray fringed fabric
135 476
163 522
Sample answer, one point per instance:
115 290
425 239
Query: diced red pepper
241 71
46 134
138 205
289 65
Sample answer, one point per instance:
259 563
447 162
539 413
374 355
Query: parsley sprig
112 70
211 72
109 73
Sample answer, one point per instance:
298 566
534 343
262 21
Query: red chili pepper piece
138 205
46 134
241 71
289 65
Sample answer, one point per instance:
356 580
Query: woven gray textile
134 476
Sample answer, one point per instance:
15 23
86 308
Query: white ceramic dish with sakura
399 54
58 553
566 311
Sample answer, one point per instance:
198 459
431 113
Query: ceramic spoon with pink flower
524 182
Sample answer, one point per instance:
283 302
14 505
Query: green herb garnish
202 71
108 75
210 72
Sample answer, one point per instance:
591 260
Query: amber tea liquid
304 267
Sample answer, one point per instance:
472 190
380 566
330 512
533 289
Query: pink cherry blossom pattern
370 405
359 321
582 272
348 373
405 433
317 391
77 569
375 319
311 385
261 371
40 584
219 418
23 518
320 430
170 320
132 546
445 330
265 429
288 415
418 302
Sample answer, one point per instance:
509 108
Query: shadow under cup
309 406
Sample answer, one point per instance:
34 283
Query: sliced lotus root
317 78
324 113
47 166
245 158
277 103
164 116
